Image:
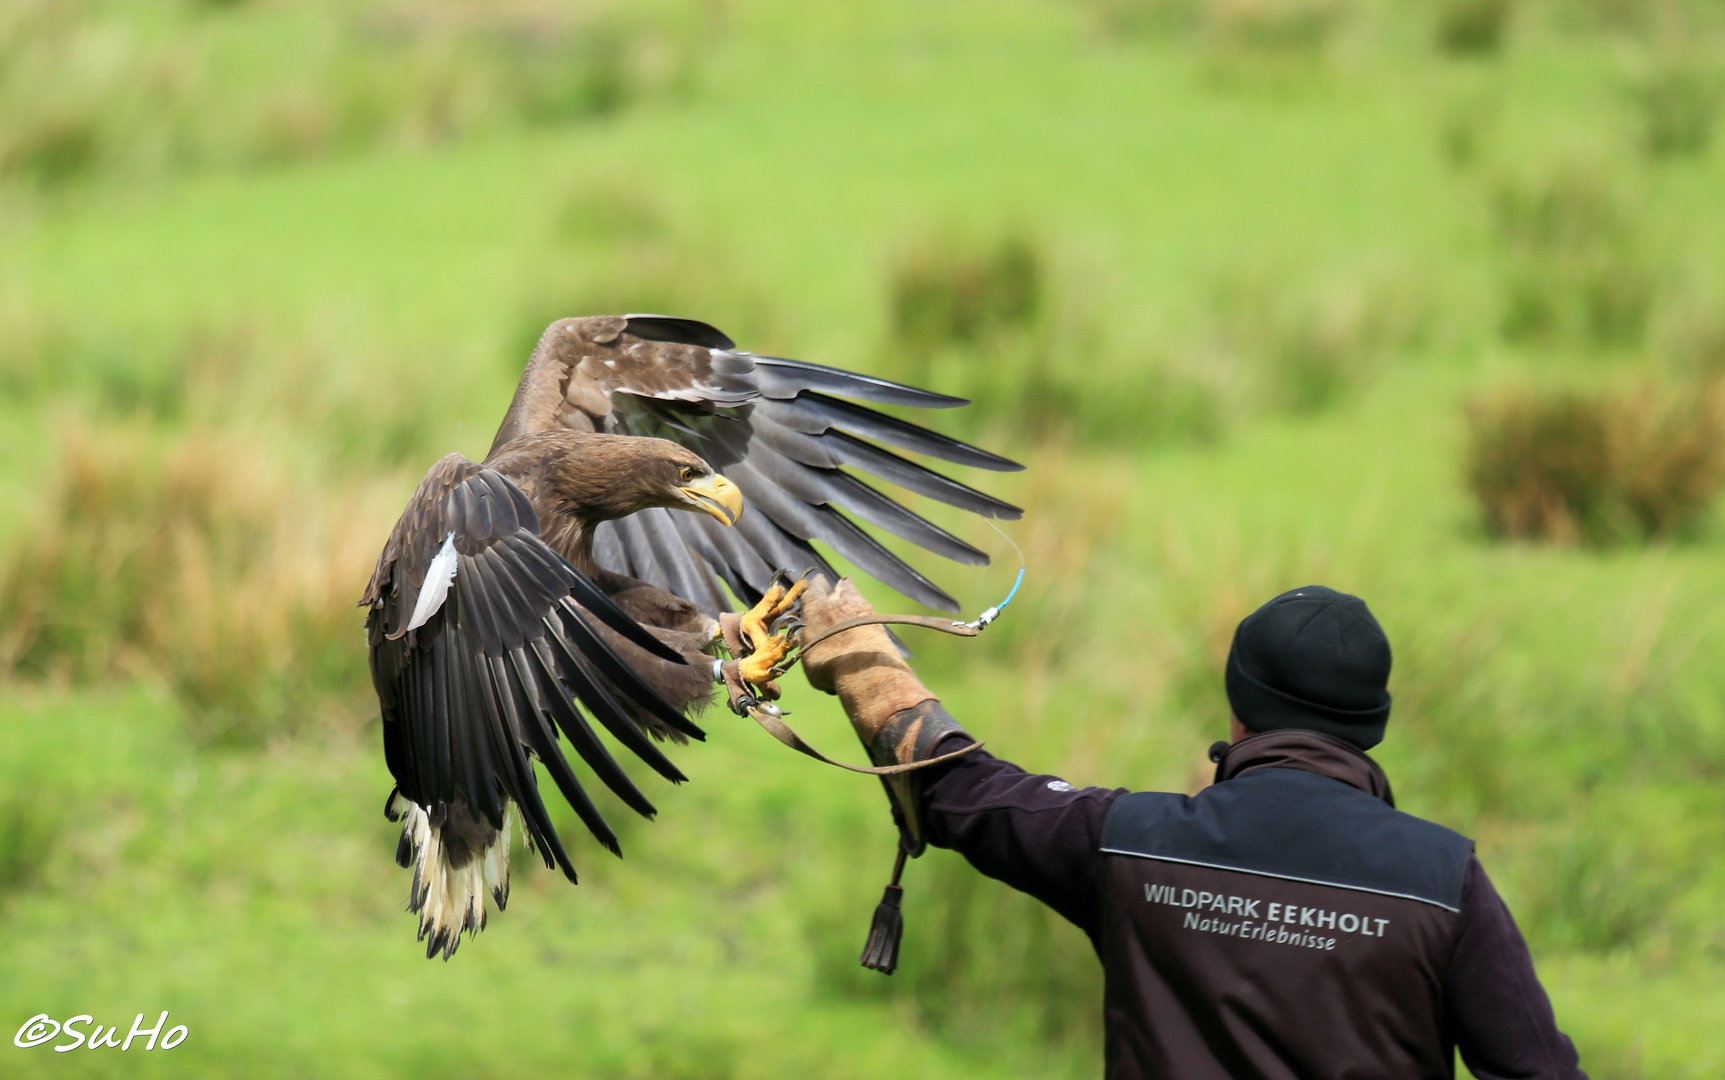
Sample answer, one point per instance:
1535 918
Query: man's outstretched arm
1036 833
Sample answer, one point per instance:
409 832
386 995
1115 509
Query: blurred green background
1421 299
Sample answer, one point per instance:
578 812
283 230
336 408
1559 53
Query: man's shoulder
1297 825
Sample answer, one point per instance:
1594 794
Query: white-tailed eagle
646 468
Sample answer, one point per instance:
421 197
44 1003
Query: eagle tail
455 862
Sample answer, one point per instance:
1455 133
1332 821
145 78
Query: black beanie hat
1312 658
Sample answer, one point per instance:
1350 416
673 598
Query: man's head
1311 658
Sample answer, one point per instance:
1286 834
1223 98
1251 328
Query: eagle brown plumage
577 573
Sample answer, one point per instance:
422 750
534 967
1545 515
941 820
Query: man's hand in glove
896 717
861 666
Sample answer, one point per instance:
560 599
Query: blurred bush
29 823
1594 889
949 293
1022 328
1274 25
1308 347
1596 468
957 303
990 959
1472 27
1467 127
92 85
1644 19
1577 269
1678 99
1691 337
197 561
1131 18
610 208
1241 39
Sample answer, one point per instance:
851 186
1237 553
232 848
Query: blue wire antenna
993 613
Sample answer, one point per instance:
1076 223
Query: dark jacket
1285 922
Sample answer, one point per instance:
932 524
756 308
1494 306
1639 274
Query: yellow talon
754 621
757 667
768 649
776 602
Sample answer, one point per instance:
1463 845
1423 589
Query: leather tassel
880 953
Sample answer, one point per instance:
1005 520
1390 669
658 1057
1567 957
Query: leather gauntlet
894 715
910 735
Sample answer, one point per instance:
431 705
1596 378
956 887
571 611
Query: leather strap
930 622
782 732
745 703
731 626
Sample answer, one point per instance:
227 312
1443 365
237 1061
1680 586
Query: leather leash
743 701
931 622
880 952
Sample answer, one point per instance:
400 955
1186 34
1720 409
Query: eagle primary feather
776 428
575 575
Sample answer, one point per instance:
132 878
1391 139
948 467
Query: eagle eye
686 473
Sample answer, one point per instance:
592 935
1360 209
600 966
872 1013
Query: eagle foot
769 630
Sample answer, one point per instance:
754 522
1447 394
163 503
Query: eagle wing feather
780 429
521 648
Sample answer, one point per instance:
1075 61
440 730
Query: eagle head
689 483
613 476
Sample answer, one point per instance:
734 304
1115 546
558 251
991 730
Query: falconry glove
898 720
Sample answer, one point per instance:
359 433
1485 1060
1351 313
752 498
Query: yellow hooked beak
716 496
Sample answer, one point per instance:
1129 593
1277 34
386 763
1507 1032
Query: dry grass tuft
1473 27
1243 31
199 562
1302 350
1027 333
1577 269
1678 100
92 85
1287 26
1596 468
947 292
1133 18
1692 338
610 208
1335 340
29 825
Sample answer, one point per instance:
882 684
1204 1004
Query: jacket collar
1308 751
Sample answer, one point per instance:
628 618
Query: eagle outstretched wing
780 429
482 642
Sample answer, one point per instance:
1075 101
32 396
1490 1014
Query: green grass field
1243 265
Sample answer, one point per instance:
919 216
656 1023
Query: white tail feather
497 863
450 900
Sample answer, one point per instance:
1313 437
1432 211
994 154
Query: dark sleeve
1038 834
1498 1013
